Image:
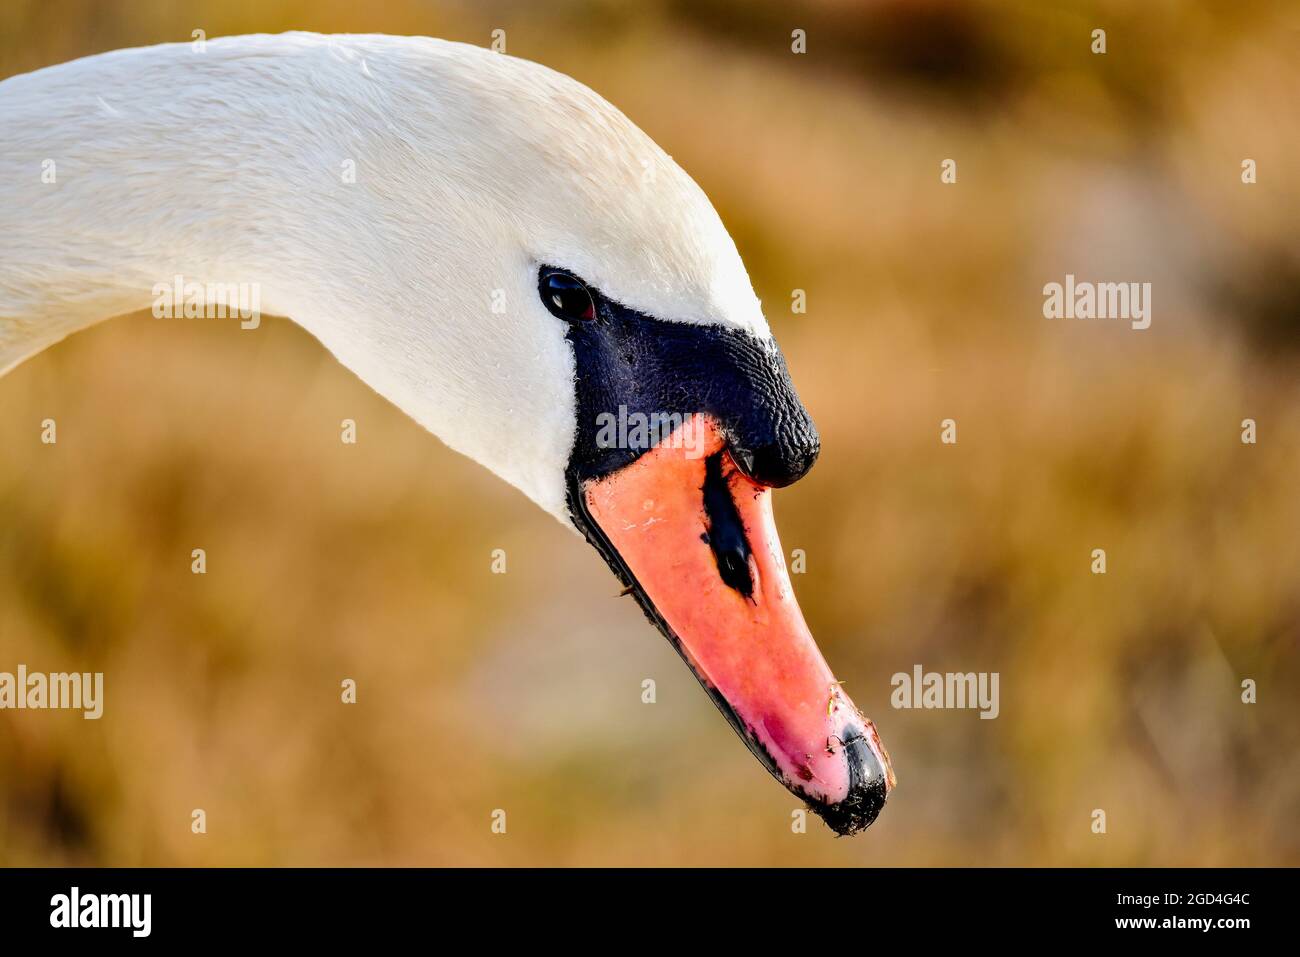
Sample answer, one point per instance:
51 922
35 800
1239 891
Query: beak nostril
726 532
735 567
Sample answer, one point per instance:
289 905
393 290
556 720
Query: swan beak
698 545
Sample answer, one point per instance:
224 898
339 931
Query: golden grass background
522 691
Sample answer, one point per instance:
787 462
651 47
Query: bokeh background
326 561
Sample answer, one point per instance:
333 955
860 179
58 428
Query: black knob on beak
779 463
769 433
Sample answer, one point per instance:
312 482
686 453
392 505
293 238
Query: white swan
503 255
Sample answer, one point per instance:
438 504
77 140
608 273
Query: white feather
225 164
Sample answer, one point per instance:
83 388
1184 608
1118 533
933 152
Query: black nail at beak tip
868 789
855 813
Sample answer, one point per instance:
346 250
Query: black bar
332 906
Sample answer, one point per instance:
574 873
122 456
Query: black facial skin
626 358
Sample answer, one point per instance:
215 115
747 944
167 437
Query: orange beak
698 546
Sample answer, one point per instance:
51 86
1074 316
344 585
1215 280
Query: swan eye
567 297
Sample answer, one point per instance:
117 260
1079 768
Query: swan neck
119 190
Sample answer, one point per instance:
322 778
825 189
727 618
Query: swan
503 255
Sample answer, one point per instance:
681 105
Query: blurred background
1120 692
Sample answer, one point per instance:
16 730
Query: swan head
618 369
